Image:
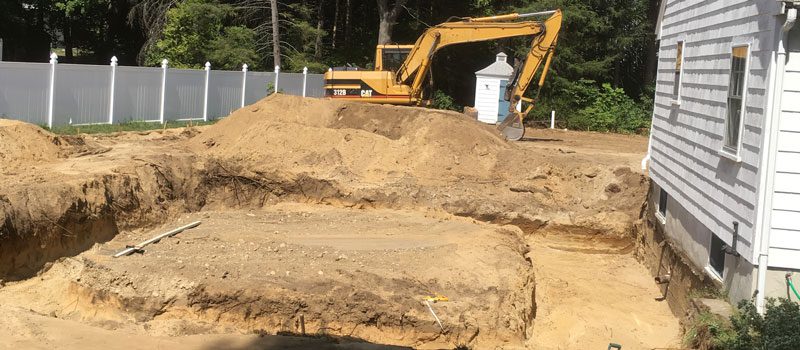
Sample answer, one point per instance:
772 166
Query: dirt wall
663 257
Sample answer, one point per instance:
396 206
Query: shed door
502 110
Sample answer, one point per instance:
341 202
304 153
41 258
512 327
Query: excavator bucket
512 127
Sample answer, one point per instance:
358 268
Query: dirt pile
399 157
23 144
353 141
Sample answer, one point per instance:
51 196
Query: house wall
486 92
711 190
785 217
691 238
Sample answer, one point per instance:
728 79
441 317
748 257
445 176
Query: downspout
649 147
771 123
659 29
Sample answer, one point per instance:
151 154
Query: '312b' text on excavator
401 71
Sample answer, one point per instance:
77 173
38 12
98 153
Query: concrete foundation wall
682 236
777 286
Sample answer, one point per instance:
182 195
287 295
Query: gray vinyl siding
687 139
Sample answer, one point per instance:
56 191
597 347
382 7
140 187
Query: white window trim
662 218
724 152
676 101
713 274
710 270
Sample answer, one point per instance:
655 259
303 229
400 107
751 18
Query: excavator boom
406 84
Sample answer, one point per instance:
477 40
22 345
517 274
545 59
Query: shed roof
500 68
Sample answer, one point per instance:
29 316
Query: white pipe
164 65
205 93
53 62
277 77
773 117
244 82
111 92
305 79
138 247
552 119
646 158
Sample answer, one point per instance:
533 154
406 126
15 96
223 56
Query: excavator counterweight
404 84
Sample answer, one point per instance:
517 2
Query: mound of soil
24 144
370 142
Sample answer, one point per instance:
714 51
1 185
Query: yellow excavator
401 71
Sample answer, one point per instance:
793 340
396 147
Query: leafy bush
441 100
777 329
583 105
612 110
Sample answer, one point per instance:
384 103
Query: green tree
234 48
611 110
196 32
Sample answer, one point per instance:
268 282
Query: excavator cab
390 57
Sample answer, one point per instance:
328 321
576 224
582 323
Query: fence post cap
208 65
305 70
244 67
53 57
164 63
113 60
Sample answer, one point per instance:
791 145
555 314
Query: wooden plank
787 182
787 239
790 101
790 121
787 162
786 220
786 201
784 258
789 141
791 80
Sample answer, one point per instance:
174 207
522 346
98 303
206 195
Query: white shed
490 87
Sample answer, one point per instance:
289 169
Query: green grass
129 126
708 293
708 330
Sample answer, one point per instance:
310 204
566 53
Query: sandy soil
300 256
343 213
591 291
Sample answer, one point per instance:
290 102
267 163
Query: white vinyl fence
60 94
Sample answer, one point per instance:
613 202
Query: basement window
676 89
663 197
716 256
737 88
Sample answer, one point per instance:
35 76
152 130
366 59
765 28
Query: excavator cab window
393 58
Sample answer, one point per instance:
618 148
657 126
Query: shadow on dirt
539 139
291 341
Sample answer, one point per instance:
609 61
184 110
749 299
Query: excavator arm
405 85
416 67
539 56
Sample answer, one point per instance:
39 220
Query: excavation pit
344 216
361 273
